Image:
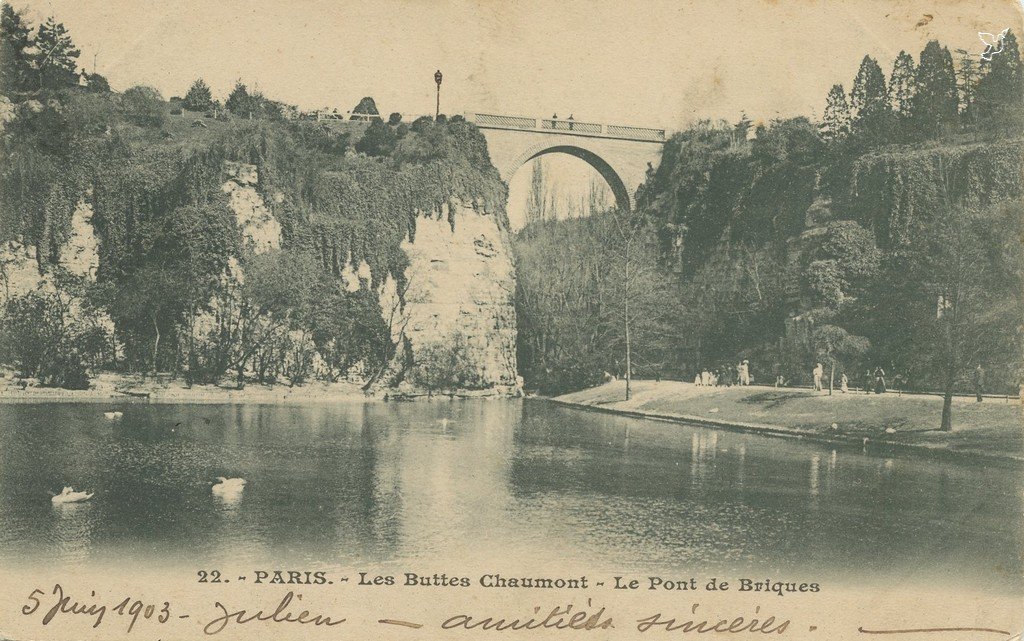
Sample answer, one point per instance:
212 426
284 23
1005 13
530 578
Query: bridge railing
643 133
571 125
516 122
564 125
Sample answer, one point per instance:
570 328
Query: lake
435 484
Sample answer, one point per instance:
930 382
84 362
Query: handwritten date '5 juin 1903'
50 606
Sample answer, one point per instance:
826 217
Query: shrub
445 366
379 140
143 106
41 338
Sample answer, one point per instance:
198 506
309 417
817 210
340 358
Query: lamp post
437 79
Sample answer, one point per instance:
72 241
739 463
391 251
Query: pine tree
742 128
240 103
869 102
934 106
968 75
835 124
16 70
902 84
56 58
1001 88
198 97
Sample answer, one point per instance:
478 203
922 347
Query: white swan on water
112 416
69 495
228 487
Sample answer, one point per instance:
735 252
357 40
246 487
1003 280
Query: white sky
659 63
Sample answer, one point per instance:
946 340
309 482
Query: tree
240 102
632 287
378 140
56 60
143 106
1000 90
971 262
835 125
52 333
15 44
537 203
366 110
841 265
445 365
934 104
968 75
902 87
198 97
869 103
96 83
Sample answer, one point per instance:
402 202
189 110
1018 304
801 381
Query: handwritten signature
279 615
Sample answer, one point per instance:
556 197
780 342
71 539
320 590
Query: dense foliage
183 290
821 242
579 283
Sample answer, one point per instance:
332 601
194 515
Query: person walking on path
844 384
978 378
743 370
879 380
817 373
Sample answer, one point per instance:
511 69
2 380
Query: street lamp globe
437 77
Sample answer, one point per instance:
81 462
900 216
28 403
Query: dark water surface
440 482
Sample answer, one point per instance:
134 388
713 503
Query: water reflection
435 483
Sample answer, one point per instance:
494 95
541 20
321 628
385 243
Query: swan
112 416
69 495
225 486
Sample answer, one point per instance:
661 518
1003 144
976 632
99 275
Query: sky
655 63
639 62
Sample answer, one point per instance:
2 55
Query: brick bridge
621 154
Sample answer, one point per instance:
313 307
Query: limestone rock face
461 284
19 267
81 255
261 231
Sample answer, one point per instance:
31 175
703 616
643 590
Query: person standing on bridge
570 122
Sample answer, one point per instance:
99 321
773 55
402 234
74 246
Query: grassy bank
993 428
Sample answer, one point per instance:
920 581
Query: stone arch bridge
621 154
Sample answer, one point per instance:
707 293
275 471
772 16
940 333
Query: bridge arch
620 154
623 196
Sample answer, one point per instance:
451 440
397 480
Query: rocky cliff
20 270
458 299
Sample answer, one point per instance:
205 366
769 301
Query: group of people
726 375
873 380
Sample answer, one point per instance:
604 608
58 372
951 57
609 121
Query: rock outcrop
459 291
261 231
20 271
459 288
